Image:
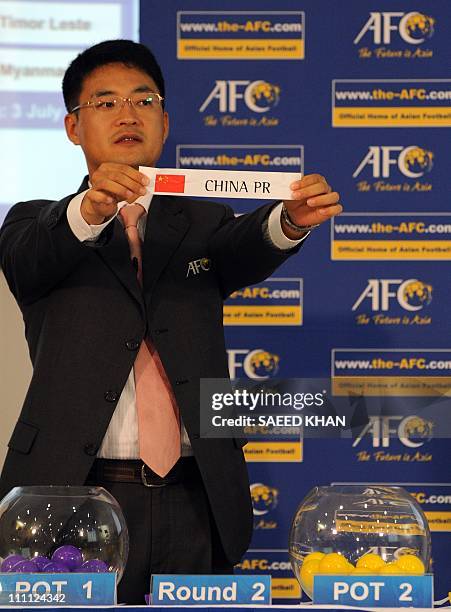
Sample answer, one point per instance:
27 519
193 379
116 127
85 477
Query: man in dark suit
88 316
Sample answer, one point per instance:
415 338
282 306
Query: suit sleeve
38 249
241 253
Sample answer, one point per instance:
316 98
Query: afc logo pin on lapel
198 265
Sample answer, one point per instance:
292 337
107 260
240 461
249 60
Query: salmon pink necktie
158 414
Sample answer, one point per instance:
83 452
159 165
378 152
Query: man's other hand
111 183
313 201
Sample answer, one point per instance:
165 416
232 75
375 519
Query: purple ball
69 555
9 562
25 567
40 562
55 567
94 566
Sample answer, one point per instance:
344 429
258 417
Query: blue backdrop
357 92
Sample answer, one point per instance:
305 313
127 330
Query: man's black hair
132 54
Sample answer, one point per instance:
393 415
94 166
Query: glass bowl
74 529
349 522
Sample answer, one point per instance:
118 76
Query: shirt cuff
275 231
81 229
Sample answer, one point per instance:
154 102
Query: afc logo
257 364
393 552
264 498
198 265
412 431
258 96
412 295
412 161
413 28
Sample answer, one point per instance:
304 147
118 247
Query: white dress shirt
121 438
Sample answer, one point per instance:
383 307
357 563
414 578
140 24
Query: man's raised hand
111 183
313 201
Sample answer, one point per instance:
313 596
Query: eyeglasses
142 102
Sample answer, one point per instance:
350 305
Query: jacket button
132 345
111 396
53 218
161 331
90 449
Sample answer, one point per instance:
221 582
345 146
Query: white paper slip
221 183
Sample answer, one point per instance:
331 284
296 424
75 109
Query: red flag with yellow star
167 183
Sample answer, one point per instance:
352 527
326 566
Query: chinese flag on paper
165 183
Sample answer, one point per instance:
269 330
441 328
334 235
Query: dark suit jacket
85 316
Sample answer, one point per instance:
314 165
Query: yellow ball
410 564
363 571
390 569
370 561
333 563
349 568
307 573
313 556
